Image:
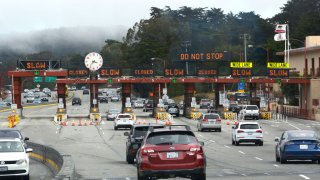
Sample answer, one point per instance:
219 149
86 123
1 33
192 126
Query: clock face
93 61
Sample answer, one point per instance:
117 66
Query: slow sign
174 72
277 73
241 72
34 65
110 72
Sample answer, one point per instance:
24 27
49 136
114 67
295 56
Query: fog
60 41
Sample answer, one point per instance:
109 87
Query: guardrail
62 166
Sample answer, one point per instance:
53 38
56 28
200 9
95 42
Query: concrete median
62 166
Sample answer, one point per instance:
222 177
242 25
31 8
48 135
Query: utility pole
186 44
245 38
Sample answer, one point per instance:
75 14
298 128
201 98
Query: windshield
249 126
169 138
303 135
11 146
14 134
252 108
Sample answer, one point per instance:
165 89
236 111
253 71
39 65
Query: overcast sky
18 16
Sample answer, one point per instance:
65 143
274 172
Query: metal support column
157 92
189 89
94 95
16 92
61 90
126 92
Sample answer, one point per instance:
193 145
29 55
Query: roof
172 128
300 50
9 139
247 122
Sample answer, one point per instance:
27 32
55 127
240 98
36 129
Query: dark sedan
76 100
298 145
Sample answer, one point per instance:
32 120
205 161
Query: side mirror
126 133
28 150
26 138
277 139
202 143
233 127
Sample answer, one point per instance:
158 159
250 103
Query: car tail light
259 131
204 120
196 149
218 120
146 151
240 131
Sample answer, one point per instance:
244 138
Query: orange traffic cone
73 123
236 122
90 123
228 122
79 123
85 122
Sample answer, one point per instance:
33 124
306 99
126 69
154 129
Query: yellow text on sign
278 65
241 64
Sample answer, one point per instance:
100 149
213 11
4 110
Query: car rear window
302 134
249 126
169 138
142 130
124 116
211 116
252 108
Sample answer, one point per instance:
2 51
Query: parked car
123 121
249 111
112 114
3 104
148 106
115 98
298 145
83 87
85 91
210 121
135 137
247 132
169 152
73 88
76 100
44 99
30 98
173 109
103 99
234 108
13 150
37 101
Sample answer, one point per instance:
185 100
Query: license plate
250 133
172 155
4 168
303 146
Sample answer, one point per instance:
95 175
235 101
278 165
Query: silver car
112 114
210 121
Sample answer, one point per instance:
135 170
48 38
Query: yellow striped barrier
266 115
230 115
195 115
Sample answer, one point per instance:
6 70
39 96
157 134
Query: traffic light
174 80
279 81
110 80
242 80
36 73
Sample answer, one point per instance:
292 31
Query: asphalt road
99 151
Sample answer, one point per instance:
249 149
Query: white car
115 98
12 150
138 104
251 111
123 121
247 132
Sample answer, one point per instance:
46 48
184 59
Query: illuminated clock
93 61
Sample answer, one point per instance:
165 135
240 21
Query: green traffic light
109 80
36 72
174 80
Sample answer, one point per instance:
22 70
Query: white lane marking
241 152
267 174
243 175
259 158
294 126
266 132
200 135
227 146
275 165
303 176
212 141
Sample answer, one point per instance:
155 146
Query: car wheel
178 115
261 143
237 143
141 177
282 160
129 159
233 143
26 177
277 157
199 177
219 130
318 161
115 128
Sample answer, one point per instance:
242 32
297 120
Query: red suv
172 151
